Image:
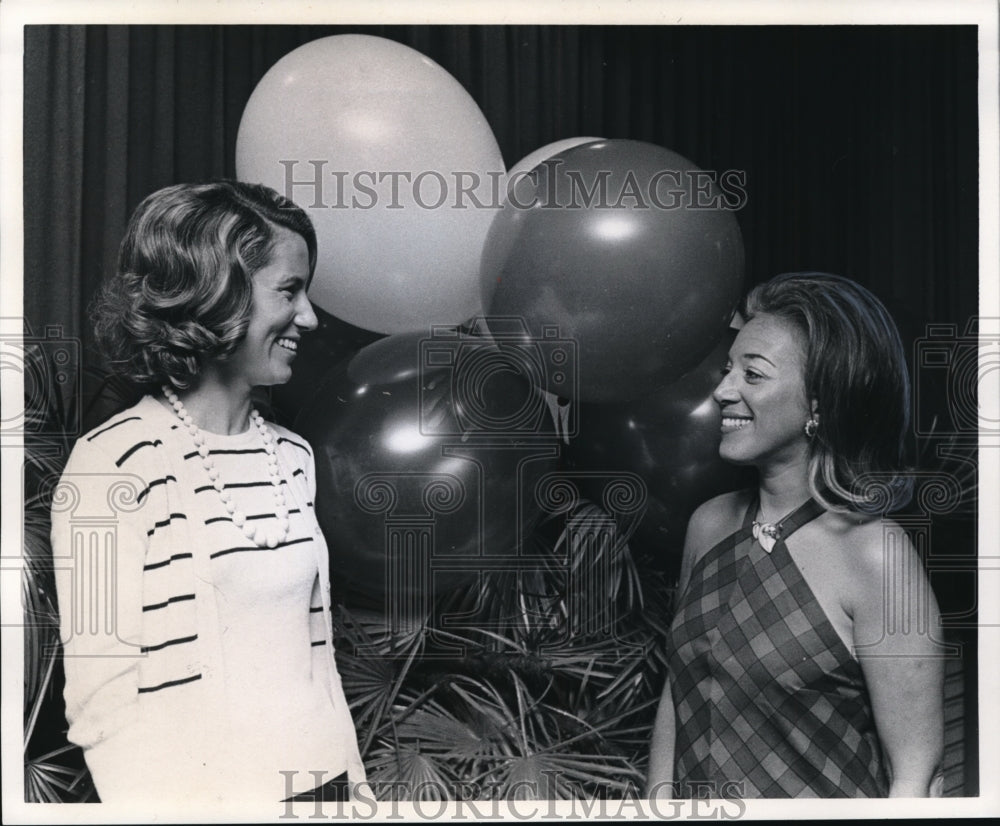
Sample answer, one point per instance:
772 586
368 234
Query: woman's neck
217 407
782 489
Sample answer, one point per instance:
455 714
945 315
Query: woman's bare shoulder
711 522
867 548
715 519
862 536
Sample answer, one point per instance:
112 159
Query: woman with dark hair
218 679
802 661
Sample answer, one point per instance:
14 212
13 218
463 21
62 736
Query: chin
280 377
271 381
734 457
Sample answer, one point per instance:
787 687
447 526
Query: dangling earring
811 427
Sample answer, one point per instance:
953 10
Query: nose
725 391
305 316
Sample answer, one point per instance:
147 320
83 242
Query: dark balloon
630 252
670 439
427 454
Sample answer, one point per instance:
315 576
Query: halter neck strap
792 521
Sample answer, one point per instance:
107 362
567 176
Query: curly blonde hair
182 293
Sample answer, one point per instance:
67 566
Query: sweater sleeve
318 621
321 626
98 543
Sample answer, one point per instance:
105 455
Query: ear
814 407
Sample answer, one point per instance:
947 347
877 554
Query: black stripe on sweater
93 436
194 453
168 684
154 565
248 518
178 641
252 516
255 548
134 448
299 445
157 606
165 522
153 484
204 488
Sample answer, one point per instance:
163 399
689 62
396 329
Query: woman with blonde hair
219 681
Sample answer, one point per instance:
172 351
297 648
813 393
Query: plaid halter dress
769 702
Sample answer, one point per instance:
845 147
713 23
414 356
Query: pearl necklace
257 535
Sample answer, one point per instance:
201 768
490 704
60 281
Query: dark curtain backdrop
859 143
859 146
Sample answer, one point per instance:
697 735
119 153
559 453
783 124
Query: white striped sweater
197 664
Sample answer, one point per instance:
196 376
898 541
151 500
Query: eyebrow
761 357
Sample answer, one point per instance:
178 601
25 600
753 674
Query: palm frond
371 670
50 423
38 701
555 687
51 782
394 768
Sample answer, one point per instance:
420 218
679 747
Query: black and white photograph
436 412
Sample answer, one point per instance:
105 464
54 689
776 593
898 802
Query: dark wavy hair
181 296
856 372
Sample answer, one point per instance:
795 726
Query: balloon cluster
433 459
617 264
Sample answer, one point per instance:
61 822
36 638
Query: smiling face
763 395
280 313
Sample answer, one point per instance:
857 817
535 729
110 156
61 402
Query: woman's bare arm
896 619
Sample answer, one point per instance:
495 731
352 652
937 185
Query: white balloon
397 168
